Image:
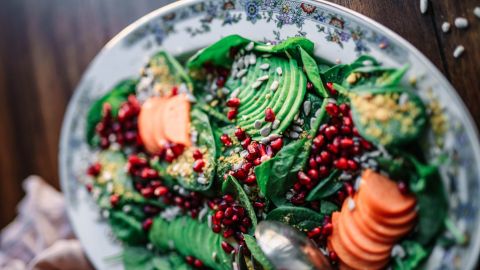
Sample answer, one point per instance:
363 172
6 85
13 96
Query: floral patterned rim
336 28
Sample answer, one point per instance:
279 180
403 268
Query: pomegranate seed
355 132
347 121
178 200
243 229
259 205
197 154
325 157
309 86
333 148
232 114
177 149
332 109
366 144
240 211
331 132
402 187
89 187
246 222
147 192
189 260
198 165
331 89
312 163
197 263
319 141
277 144
344 109
228 198
245 143
299 198
257 161
323 171
352 165
228 233
94 169
251 179
148 173
341 195
269 115
240 134
233 102
303 178
229 212
346 143
220 81
240 174
114 199
147 224
219 215
315 232
341 163
346 130
333 256
327 229
227 247
355 150
313 174
246 166
297 186
160 191
169 155
216 228
226 140
348 187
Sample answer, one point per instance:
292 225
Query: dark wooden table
46 45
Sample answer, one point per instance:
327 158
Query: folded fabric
40 237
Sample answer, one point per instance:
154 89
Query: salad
192 154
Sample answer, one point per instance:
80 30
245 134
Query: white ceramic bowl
340 35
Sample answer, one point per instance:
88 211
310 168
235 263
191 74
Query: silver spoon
287 249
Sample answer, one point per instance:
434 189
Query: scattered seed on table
275 124
458 51
274 85
265 66
445 27
476 11
263 78
279 71
257 84
461 23
249 46
423 6
257 124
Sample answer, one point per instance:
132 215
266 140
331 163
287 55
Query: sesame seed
263 78
257 84
241 73
257 124
445 27
279 71
458 51
312 121
423 6
275 124
297 129
307 106
265 130
253 59
274 85
293 135
249 46
476 12
265 66
461 23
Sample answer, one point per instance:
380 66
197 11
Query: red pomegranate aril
243 229
332 255
313 174
246 222
349 188
197 154
135 160
331 132
344 109
228 198
327 229
402 187
326 158
197 263
114 199
331 89
346 143
323 171
355 150
312 163
352 165
277 144
89 187
251 179
160 191
94 169
104 143
319 141
169 155
216 228
147 192
341 196
332 109
257 161
233 102
269 115
315 232
246 142
259 205
147 224
229 212
220 81
226 140
347 121
366 144
303 178
216 221
189 260
232 114
198 165
240 211
309 86
227 247
240 134
355 132
341 163
228 233
219 215
240 174
178 200
148 173
345 130
298 199
227 222
235 218
333 148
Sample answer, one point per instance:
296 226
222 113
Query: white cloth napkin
40 238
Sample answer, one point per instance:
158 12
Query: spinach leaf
284 166
300 218
139 258
288 46
327 207
376 76
313 74
415 254
364 60
257 253
217 53
175 69
319 119
115 98
326 187
262 172
231 186
337 74
126 228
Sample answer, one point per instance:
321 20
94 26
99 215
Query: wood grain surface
46 45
